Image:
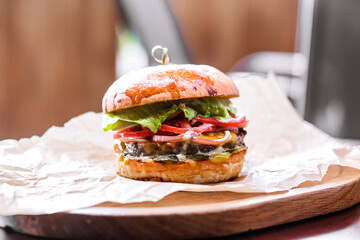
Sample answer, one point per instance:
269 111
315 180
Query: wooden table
344 224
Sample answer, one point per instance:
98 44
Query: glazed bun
201 172
166 83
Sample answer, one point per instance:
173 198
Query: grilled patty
139 149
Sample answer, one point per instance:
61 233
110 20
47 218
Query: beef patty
139 149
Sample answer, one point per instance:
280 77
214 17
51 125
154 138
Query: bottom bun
202 172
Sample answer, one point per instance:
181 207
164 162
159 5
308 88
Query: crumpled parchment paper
73 166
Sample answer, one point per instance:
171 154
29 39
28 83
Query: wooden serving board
185 215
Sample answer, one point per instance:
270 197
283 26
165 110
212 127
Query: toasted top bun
166 83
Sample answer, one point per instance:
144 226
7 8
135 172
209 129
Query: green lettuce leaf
212 107
153 115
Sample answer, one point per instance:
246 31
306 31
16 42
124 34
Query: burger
175 123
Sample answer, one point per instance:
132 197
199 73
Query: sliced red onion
221 129
235 129
160 138
222 140
132 139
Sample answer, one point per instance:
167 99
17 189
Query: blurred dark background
57 58
333 85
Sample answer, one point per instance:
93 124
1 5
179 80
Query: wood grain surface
197 215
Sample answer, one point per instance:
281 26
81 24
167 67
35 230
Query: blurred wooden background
57 58
219 33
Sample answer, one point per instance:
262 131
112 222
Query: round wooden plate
185 215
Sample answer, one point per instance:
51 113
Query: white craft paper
73 166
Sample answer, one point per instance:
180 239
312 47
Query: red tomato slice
164 133
231 123
142 133
244 124
200 129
